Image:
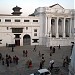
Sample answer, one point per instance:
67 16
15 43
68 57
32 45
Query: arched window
52 21
59 22
26 39
66 21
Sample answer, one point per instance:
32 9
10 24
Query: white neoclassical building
48 26
57 25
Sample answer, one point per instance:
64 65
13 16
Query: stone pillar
49 26
64 28
57 35
70 27
21 40
46 26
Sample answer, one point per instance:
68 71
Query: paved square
22 69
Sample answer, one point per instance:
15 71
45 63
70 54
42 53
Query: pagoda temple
16 11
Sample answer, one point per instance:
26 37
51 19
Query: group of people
25 53
29 63
8 60
52 50
66 61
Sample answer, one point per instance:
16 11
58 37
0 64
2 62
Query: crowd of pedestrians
8 60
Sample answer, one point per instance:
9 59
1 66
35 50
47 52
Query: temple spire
16 11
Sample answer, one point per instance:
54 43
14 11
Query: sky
28 6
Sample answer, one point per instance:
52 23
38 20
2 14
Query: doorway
17 42
26 40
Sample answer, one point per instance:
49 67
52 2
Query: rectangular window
0 20
7 20
35 30
60 36
26 28
26 20
35 34
35 20
35 40
17 20
17 35
17 30
0 41
53 36
67 35
7 28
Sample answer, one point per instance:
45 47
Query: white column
21 40
49 26
46 26
57 35
70 27
64 28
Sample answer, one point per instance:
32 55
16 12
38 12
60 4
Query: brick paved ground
21 68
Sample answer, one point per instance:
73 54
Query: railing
10 45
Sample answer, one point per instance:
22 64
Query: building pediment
56 6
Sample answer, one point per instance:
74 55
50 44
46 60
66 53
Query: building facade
57 25
48 26
19 30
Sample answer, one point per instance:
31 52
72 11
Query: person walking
53 49
59 46
26 53
0 56
23 53
40 67
10 59
12 49
39 53
7 61
2 61
64 62
51 63
13 59
17 60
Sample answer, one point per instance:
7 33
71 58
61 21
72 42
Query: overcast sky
28 6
